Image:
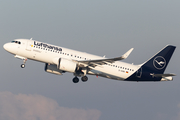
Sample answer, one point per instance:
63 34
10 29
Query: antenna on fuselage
31 38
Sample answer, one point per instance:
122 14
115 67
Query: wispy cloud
37 107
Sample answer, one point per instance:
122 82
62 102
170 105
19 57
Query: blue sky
99 27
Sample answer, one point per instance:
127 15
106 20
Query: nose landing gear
23 65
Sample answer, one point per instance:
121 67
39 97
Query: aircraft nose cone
12 48
5 47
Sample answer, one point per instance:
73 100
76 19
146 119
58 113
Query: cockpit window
17 42
12 41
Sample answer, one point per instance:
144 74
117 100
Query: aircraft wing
94 63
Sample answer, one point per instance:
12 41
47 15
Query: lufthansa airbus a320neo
59 60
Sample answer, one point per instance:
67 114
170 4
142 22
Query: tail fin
158 63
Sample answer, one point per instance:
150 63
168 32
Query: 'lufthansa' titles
43 45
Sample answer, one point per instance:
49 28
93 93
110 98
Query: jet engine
66 65
53 69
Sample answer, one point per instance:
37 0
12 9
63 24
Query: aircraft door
139 73
29 45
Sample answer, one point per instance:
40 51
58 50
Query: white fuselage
42 52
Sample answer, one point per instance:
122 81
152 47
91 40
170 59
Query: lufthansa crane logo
159 62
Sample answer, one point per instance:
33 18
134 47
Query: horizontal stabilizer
163 75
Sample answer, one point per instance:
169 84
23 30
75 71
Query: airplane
59 60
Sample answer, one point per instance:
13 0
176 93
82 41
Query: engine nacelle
167 78
53 69
66 65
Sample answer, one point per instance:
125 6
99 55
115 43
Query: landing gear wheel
84 78
75 80
23 66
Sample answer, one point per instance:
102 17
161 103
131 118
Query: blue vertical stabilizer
155 65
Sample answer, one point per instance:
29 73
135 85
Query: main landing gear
84 78
76 79
23 65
